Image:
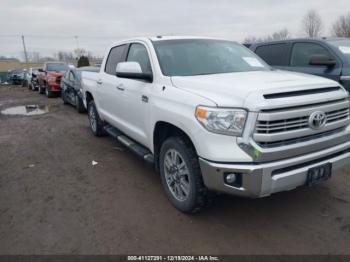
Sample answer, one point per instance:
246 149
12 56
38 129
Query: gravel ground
54 201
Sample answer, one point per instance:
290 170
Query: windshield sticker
252 61
345 49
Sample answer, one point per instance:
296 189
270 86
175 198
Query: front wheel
49 93
181 176
41 90
96 124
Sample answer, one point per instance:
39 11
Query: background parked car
30 80
71 87
16 76
50 76
323 57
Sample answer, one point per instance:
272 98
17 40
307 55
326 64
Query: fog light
231 178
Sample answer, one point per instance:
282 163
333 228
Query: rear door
300 57
70 85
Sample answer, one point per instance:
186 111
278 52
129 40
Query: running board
131 145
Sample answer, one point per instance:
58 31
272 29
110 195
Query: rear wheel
96 124
79 104
181 176
64 97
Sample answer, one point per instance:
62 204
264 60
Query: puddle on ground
27 110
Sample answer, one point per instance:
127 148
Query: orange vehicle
49 78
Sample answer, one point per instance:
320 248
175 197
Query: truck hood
55 73
234 89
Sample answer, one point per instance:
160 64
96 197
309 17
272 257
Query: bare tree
251 40
33 56
341 28
312 24
64 56
279 35
80 52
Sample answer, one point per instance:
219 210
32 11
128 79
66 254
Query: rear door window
302 52
274 54
116 55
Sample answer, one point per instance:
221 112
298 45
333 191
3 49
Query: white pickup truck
213 117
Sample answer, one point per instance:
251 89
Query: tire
198 196
96 124
79 105
64 98
49 94
40 89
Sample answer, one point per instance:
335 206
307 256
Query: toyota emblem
317 120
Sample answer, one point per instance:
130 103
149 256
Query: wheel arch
163 130
88 97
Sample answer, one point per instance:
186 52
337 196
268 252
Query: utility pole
77 41
25 50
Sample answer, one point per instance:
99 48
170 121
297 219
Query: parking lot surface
54 201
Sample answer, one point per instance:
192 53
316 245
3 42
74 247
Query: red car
49 78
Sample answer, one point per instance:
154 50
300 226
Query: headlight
224 121
51 78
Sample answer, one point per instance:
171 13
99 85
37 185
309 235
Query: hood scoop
301 92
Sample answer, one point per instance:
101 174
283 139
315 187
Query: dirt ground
54 201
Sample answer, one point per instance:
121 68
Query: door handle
99 82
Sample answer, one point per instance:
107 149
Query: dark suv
329 58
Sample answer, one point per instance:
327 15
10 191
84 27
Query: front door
135 106
300 58
109 96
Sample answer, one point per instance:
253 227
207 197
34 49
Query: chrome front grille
289 126
276 126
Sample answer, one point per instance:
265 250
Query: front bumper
54 86
264 179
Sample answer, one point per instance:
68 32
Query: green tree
83 61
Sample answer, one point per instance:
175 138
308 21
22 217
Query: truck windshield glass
343 46
57 67
203 57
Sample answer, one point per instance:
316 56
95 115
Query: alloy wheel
92 119
177 175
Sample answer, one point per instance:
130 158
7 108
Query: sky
63 25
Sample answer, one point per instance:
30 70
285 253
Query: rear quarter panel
89 85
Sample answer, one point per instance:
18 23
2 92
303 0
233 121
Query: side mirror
132 70
322 60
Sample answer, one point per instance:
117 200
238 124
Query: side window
302 53
66 75
71 76
138 53
116 55
275 54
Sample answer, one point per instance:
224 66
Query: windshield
344 46
57 67
189 57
